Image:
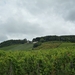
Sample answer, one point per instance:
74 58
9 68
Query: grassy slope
18 47
44 46
67 45
51 45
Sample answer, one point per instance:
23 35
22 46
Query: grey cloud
66 9
63 8
70 16
3 37
31 18
13 26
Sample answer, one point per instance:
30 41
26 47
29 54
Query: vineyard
55 61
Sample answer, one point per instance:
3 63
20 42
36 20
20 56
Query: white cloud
32 18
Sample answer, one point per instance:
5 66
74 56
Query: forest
65 38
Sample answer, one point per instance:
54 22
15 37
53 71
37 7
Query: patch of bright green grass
26 46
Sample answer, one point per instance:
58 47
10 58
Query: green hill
26 46
52 45
45 42
43 46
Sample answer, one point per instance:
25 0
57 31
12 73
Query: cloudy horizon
21 19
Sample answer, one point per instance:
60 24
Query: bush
36 44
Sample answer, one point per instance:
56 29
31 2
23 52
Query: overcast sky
21 19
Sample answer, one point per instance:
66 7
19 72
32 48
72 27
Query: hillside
42 46
26 46
13 42
53 45
45 42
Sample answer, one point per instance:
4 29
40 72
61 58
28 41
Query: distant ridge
13 42
39 40
64 38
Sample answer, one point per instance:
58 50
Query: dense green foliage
54 61
37 44
51 55
54 38
66 38
13 42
